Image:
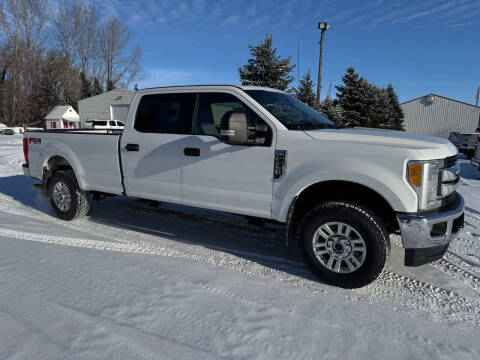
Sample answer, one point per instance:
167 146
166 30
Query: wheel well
54 164
338 190
57 163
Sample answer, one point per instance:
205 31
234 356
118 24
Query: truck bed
93 154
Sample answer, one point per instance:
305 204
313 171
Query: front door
151 148
232 178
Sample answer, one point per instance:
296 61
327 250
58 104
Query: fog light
439 229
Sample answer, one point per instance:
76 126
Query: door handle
191 151
132 147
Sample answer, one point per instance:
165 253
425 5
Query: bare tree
56 83
76 26
22 24
121 61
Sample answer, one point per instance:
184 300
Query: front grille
458 224
450 161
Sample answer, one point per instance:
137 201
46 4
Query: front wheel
67 199
344 243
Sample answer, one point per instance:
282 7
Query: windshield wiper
309 125
344 126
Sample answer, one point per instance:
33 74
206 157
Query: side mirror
234 128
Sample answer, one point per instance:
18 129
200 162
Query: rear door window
165 113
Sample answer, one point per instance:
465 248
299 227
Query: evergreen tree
266 68
378 108
136 87
396 112
85 86
353 98
96 87
305 90
332 110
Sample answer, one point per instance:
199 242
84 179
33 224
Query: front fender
391 186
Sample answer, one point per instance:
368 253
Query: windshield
290 111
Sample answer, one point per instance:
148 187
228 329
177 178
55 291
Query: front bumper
26 170
426 237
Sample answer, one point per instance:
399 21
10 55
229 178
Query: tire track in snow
400 291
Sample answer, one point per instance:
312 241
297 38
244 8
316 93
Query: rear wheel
67 199
344 243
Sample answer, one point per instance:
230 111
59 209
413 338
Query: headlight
424 178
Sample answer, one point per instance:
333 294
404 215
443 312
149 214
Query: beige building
438 116
111 105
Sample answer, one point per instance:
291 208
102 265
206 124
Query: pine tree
266 68
332 110
396 112
305 90
378 108
85 86
96 87
353 98
136 87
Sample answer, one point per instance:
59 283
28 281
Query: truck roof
221 86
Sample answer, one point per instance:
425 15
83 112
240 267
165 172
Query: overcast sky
421 47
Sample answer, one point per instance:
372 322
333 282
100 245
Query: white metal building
438 116
62 117
111 105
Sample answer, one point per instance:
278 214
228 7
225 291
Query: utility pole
323 26
476 104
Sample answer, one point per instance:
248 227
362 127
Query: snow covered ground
129 282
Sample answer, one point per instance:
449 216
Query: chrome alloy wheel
61 196
339 247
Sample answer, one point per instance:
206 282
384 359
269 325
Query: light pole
323 26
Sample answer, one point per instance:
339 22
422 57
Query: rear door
152 145
220 176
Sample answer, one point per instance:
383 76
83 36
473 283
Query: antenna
298 65
329 94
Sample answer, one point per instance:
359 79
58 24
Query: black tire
79 204
368 226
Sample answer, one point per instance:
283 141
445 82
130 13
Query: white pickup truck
262 153
464 142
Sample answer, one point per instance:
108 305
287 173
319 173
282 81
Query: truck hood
429 147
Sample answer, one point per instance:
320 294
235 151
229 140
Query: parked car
105 124
464 142
262 153
7 131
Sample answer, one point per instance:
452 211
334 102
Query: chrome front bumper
432 230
